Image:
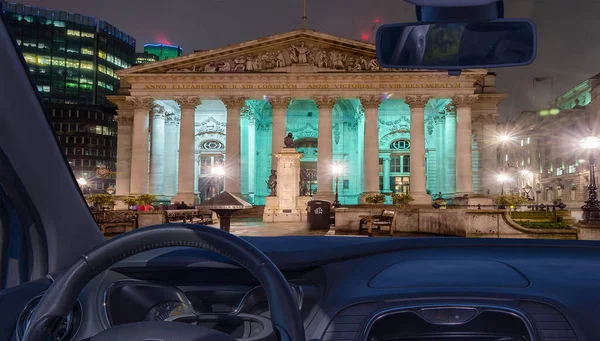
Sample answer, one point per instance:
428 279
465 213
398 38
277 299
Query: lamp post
502 178
82 182
217 172
591 209
527 189
337 170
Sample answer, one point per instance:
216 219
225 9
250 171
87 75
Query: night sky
568 30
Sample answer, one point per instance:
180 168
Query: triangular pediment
299 50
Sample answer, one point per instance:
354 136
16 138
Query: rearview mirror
455 46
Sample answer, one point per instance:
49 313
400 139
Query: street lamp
591 209
502 178
82 181
337 170
527 190
217 172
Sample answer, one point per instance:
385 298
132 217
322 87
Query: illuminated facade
163 51
73 59
422 132
543 147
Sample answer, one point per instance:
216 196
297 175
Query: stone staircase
254 212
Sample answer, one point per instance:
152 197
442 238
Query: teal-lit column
234 105
171 148
139 149
245 181
251 156
440 161
157 151
450 154
386 173
464 136
418 178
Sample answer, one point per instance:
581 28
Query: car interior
62 281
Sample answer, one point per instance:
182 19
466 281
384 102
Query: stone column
464 158
125 121
251 155
171 149
418 186
234 105
157 151
139 147
325 147
187 149
490 155
278 129
386 174
371 144
450 152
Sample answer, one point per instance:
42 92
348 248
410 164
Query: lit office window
74 33
87 51
528 140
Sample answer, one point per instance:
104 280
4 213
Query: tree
130 201
402 199
375 198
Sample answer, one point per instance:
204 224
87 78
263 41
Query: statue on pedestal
289 141
272 183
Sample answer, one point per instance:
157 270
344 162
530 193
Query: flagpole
304 15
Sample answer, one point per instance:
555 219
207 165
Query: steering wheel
62 294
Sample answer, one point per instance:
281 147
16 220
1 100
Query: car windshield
274 117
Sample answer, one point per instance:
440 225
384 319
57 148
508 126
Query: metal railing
537 207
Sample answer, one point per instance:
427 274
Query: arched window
212 146
400 145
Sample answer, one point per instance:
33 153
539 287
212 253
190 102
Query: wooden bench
191 216
387 218
364 220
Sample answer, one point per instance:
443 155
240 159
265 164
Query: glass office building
145 58
73 59
163 51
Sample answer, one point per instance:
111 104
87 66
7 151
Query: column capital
188 102
158 111
370 101
171 118
124 121
233 102
417 101
463 101
325 102
280 102
141 102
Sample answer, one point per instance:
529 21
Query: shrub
146 199
543 225
101 200
130 201
510 200
402 199
375 198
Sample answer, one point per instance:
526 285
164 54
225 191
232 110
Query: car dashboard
370 291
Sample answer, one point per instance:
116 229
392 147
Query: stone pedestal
271 205
473 201
285 206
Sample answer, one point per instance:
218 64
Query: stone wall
451 222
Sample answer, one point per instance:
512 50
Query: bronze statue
272 183
304 183
289 141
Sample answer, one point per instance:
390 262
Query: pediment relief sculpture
296 53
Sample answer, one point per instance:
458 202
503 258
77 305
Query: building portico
413 131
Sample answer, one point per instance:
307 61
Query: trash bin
319 214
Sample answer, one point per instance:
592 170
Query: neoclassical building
416 131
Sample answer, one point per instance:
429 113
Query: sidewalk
256 227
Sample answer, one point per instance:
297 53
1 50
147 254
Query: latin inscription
307 86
